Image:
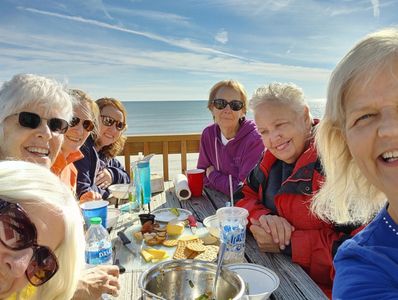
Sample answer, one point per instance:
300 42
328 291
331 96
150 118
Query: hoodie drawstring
215 148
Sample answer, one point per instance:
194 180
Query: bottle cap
95 220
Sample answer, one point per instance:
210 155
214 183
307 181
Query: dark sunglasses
87 124
32 120
235 105
17 232
109 121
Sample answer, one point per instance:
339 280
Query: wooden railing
162 144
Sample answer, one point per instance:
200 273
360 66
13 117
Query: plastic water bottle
98 244
145 179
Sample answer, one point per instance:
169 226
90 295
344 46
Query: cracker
182 252
209 240
170 243
210 254
198 247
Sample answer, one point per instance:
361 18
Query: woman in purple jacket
232 145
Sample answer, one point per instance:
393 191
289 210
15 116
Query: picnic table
294 281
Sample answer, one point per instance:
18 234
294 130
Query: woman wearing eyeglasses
84 121
232 145
99 168
41 234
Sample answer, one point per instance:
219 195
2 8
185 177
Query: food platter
168 214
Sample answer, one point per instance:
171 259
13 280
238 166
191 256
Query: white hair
23 182
347 195
29 90
281 93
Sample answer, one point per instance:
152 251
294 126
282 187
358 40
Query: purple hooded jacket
237 158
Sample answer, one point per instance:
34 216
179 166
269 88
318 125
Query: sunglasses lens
58 125
29 120
107 121
16 230
75 121
88 125
220 103
236 105
120 126
42 266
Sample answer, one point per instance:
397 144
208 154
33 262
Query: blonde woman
99 168
358 144
41 234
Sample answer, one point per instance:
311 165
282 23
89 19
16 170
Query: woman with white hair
358 144
34 111
41 234
278 191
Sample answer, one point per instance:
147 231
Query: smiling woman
34 115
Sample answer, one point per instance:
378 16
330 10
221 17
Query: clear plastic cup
233 221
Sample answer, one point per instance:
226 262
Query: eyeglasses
32 120
235 105
87 124
17 232
109 121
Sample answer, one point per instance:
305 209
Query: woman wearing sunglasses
99 168
34 115
232 145
41 234
358 144
84 121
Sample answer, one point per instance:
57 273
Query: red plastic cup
195 181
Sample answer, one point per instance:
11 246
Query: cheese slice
156 253
146 255
175 229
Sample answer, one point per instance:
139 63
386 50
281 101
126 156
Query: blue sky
176 50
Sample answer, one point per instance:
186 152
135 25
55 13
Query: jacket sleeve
253 151
203 160
249 194
119 174
85 173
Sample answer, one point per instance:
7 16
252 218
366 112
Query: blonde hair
24 182
233 84
83 98
114 149
281 93
347 196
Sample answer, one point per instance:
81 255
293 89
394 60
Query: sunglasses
109 121
87 124
235 105
17 232
32 120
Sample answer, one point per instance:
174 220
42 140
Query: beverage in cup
195 181
233 221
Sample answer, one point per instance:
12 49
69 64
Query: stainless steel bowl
189 279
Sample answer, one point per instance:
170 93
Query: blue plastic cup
97 208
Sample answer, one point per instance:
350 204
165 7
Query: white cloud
222 36
376 8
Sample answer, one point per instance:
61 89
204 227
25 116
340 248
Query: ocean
161 117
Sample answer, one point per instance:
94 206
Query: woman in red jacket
278 191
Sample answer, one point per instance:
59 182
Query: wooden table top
294 282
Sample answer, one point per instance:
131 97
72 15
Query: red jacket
314 242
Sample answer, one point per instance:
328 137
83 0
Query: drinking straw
231 193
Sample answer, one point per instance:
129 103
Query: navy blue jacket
89 166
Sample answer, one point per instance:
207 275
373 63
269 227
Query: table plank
294 282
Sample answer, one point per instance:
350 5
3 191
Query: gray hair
29 90
282 93
347 195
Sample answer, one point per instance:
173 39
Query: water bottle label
99 257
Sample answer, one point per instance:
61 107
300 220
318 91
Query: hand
278 227
103 179
94 282
264 240
209 170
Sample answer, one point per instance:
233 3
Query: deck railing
164 145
